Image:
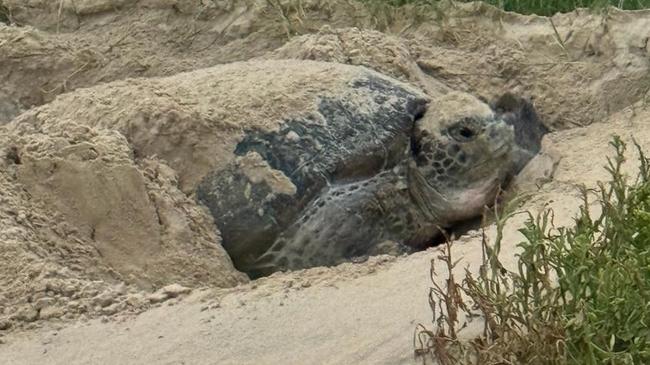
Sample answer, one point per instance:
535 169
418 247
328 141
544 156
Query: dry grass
580 295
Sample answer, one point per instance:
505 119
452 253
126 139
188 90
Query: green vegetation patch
539 7
580 295
4 14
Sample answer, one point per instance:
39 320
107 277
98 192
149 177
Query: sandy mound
383 53
597 66
77 207
59 46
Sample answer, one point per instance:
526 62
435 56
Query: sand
83 178
350 314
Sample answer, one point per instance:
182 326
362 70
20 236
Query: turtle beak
501 137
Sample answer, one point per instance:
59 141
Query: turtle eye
463 133
466 132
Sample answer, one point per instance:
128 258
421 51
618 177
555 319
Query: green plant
5 14
580 294
539 7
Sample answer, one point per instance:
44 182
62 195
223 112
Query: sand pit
102 241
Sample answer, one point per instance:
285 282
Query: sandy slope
361 314
595 75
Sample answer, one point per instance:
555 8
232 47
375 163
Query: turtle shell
361 130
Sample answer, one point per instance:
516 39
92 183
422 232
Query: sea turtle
326 188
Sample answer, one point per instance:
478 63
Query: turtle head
462 152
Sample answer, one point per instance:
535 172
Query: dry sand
83 177
363 314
